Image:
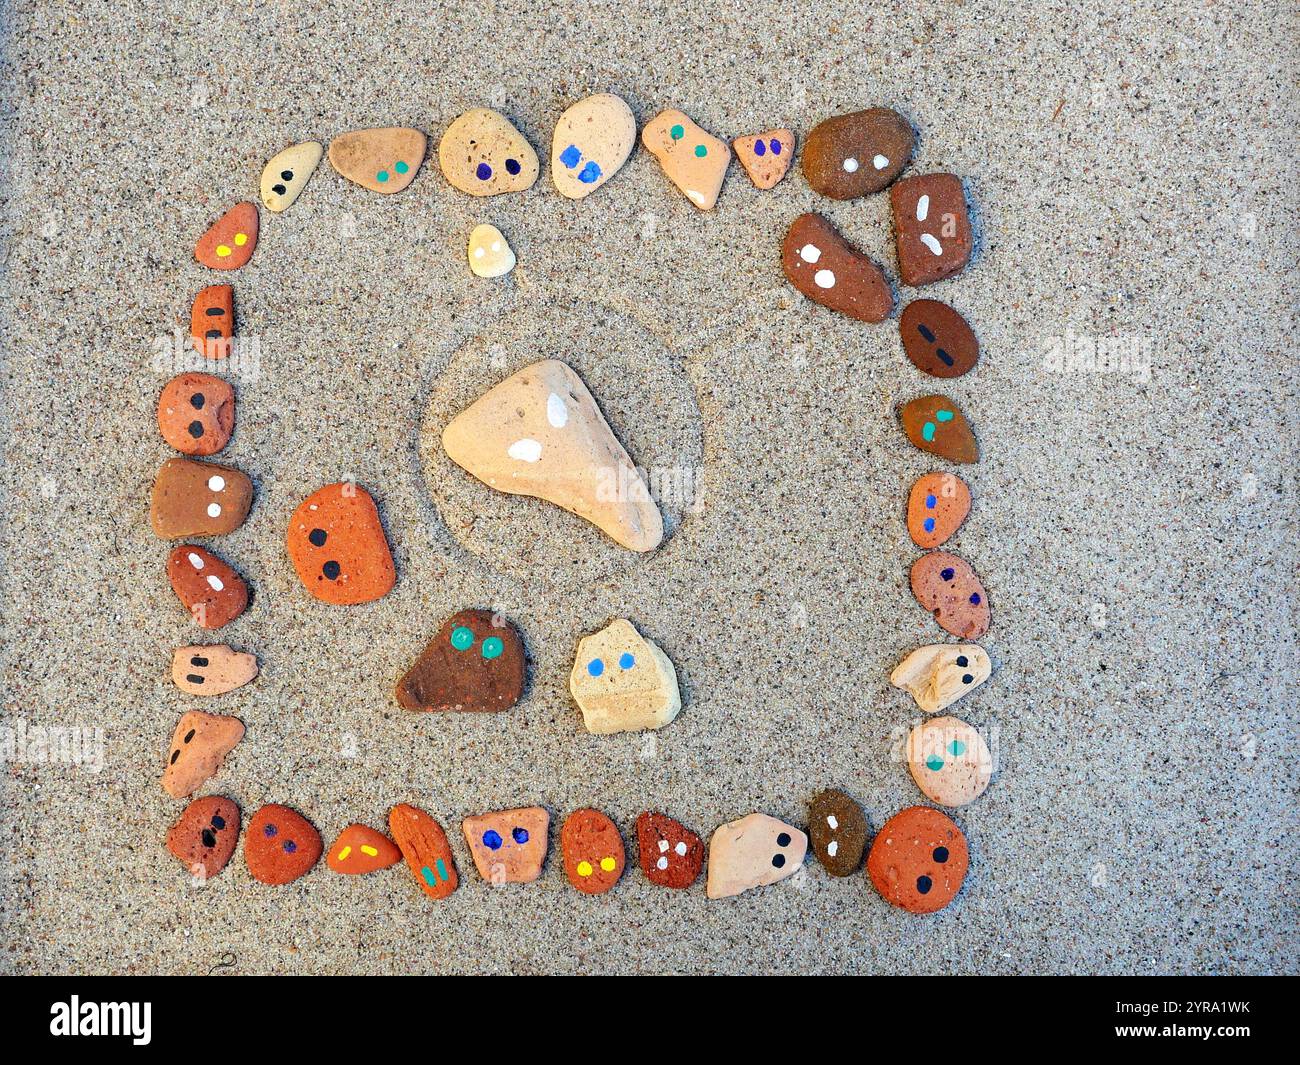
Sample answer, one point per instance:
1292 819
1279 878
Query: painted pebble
360 849
592 141
483 154
753 852
424 845
765 156
937 425
199 744
205 836
948 587
838 830
196 413
622 682
692 159
949 761
490 254
198 499
919 860
931 227
539 433
210 590
229 242
937 339
508 846
212 321
280 845
592 850
338 548
936 507
829 270
939 674
382 160
286 175
211 669
671 855
857 154
474 663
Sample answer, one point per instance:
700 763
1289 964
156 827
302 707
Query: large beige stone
592 141
539 433
949 761
622 682
382 160
755 851
939 674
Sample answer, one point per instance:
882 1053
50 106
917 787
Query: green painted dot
928 431
957 748
677 133
701 151
382 176
401 168
934 763
492 648
943 415
462 638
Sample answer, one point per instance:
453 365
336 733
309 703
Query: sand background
1132 177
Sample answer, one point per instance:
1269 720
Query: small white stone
490 254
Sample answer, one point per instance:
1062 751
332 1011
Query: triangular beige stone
539 433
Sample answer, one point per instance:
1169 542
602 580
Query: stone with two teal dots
475 662
382 160
949 760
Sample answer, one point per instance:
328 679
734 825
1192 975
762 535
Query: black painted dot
947 574
778 860
196 429
966 678
317 537
209 840
218 822
290 846
783 840
175 754
279 190
941 854
923 884
194 678
331 570
215 312
198 399
287 175
961 661
512 165
213 334
198 660
189 736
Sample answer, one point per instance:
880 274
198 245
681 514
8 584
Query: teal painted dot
701 151
934 763
677 133
492 648
943 415
957 748
382 176
461 638
928 431
401 167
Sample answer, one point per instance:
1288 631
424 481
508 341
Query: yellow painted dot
370 852
344 853
608 864
584 869
223 250
241 239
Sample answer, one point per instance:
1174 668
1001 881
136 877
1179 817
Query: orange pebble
338 548
360 849
230 241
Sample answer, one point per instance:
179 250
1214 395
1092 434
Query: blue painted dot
269 831
290 846
760 149
492 840
483 172
571 157
520 835
590 173
947 574
929 524
924 884
595 667
930 502
975 599
512 166
218 822
626 660
941 854
776 147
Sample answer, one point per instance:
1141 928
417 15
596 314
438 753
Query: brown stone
948 587
475 662
212 321
837 831
424 846
198 499
765 156
937 339
196 413
210 590
205 836
593 852
199 744
936 506
671 854
931 227
829 270
937 425
281 845
919 860
229 242
857 154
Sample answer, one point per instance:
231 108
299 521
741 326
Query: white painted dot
195 561
697 197
810 253
479 253
922 208
932 242
833 821
880 162
663 845
496 245
216 483
214 510
557 411
214 582
681 849
832 848
662 863
824 279
850 165
525 450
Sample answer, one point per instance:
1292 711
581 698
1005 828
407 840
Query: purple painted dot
947 574
512 166
290 846
975 599
776 147
483 172
760 149
269 831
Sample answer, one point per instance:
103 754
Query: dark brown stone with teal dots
475 662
